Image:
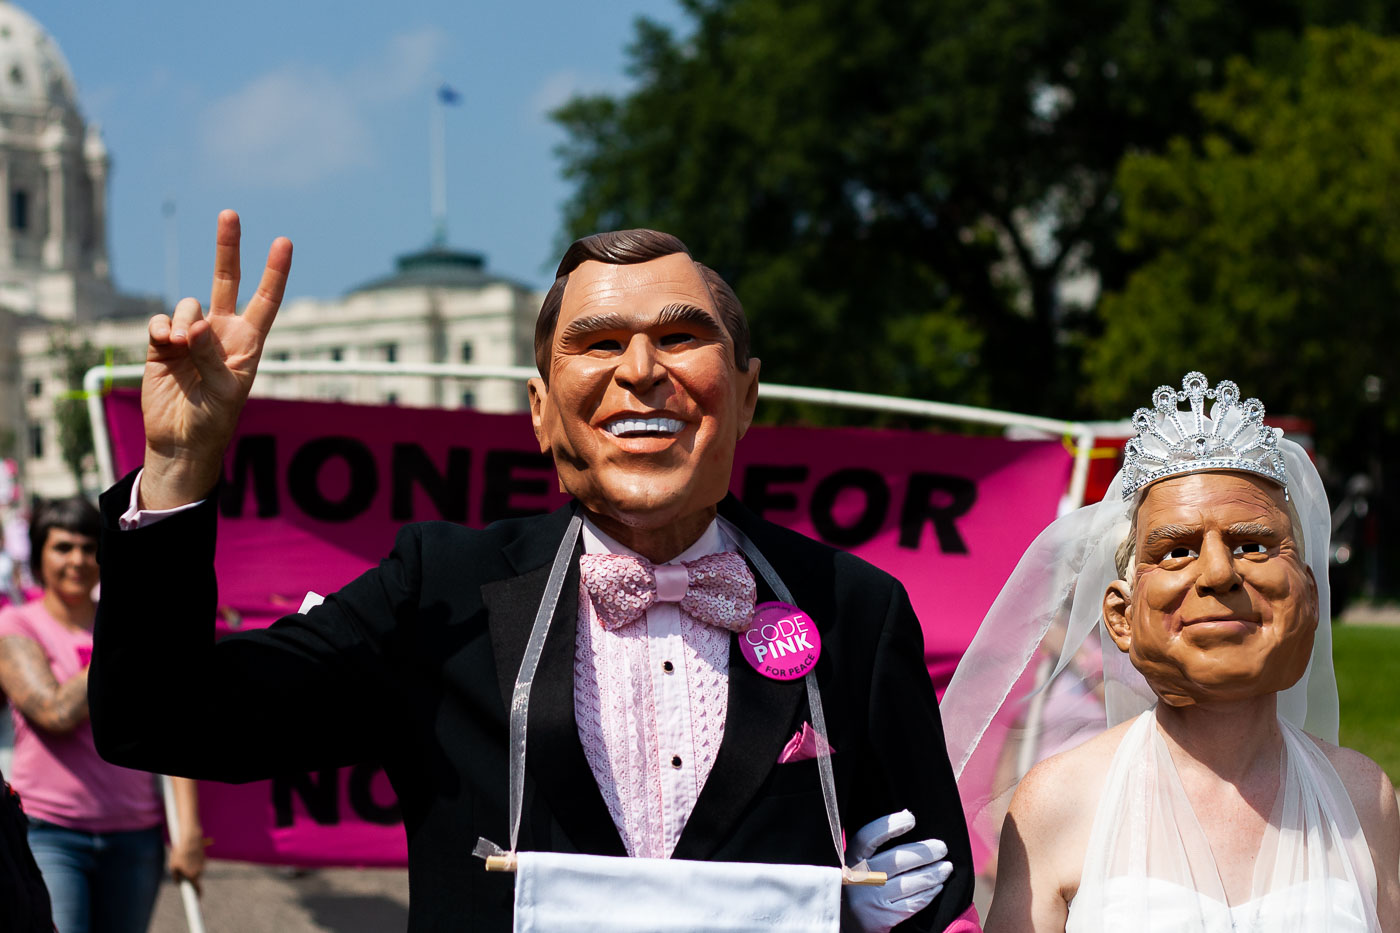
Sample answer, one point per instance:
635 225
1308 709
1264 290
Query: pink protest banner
314 492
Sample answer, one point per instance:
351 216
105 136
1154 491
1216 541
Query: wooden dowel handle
507 863
871 877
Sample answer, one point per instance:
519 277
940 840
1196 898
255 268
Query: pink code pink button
84 654
782 643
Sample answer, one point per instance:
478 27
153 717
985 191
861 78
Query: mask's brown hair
626 247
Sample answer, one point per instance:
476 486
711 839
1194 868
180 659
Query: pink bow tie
717 589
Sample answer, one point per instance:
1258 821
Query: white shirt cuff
135 517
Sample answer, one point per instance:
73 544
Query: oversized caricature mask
1219 605
1217 602
1195 565
644 401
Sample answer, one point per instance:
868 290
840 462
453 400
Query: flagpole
438 156
172 254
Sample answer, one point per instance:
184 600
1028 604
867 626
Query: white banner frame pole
1082 432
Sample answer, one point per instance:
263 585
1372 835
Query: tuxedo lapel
554 755
512 602
759 723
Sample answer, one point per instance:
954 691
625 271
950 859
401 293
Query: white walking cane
194 917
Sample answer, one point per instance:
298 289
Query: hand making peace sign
199 371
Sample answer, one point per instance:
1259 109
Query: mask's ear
539 397
1117 603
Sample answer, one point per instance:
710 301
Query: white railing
1081 433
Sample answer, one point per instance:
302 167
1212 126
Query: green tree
1275 248
75 356
897 187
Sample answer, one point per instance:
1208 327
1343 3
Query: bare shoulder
1370 789
1054 805
1063 786
1373 796
1045 835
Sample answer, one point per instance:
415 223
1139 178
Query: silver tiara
1171 442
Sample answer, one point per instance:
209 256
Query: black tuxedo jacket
413 664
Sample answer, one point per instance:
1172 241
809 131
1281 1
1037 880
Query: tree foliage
897 187
75 356
1275 248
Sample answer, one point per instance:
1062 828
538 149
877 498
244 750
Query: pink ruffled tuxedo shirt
650 700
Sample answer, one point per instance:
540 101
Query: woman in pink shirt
95 828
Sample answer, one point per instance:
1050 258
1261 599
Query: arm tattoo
27 681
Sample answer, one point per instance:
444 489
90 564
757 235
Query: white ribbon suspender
498 859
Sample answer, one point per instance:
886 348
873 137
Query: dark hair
74 514
624 248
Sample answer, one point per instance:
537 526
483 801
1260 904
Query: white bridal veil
1042 675
1042 639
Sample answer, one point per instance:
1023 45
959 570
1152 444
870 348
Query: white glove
916 874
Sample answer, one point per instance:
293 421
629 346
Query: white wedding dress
1149 868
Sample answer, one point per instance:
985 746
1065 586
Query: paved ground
241 898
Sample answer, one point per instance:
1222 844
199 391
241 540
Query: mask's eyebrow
611 320
683 313
1250 530
592 323
1168 533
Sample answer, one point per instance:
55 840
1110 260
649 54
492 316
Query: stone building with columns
54 271
439 305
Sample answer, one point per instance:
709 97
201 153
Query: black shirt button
668 667
675 761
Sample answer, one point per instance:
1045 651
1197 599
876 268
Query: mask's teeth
644 426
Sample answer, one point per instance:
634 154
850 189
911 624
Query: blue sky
312 120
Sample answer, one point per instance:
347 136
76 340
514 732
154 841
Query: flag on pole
448 95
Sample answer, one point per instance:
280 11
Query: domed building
53 173
440 305
54 272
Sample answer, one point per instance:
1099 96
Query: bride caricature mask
1218 604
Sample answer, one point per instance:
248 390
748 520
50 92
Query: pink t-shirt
60 778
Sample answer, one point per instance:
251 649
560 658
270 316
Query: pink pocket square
803 745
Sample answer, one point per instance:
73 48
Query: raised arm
308 693
25 677
199 371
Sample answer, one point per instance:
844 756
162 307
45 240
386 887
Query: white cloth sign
557 892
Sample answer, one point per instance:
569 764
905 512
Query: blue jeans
99 882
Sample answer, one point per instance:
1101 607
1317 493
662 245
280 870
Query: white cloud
407 64
291 127
297 126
